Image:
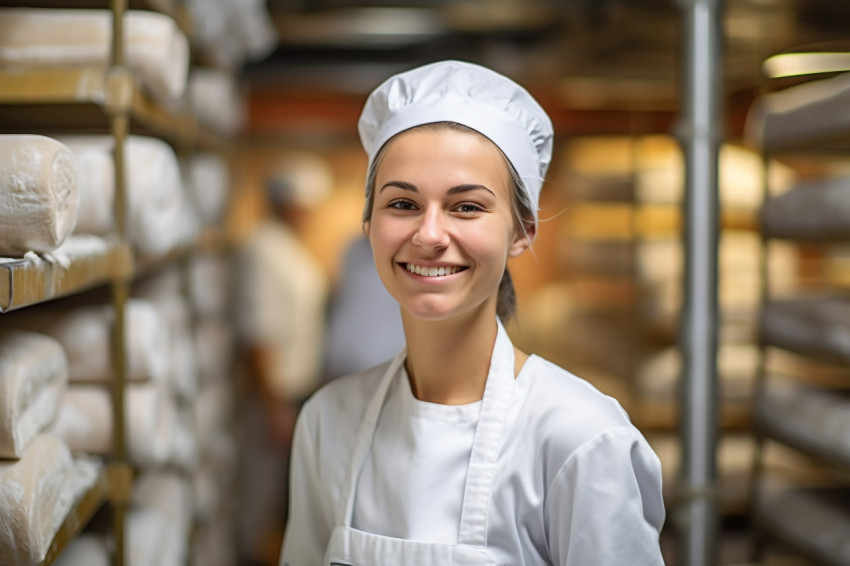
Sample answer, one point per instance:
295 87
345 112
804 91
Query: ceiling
585 59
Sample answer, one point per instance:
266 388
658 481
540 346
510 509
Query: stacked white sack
85 422
160 216
36 494
163 291
230 32
38 193
209 183
84 333
214 345
85 550
211 284
215 97
149 535
184 452
33 381
169 493
157 51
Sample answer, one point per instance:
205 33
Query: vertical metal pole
701 133
120 293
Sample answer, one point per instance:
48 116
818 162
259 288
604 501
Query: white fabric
38 193
574 482
85 550
183 367
210 284
209 182
164 292
170 493
214 408
229 32
214 346
184 450
36 494
471 95
157 51
283 312
33 380
85 422
151 540
215 97
84 333
158 208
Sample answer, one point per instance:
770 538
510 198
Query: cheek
488 244
385 235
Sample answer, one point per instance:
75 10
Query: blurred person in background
285 294
359 299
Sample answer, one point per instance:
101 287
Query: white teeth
431 271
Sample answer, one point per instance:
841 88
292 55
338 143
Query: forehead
465 156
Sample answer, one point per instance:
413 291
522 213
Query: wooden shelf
80 99
82 263
209 239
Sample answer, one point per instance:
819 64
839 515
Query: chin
431 310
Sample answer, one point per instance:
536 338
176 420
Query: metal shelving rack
812 520
85 99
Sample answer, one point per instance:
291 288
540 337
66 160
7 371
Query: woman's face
442 226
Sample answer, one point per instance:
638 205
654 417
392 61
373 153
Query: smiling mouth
432 271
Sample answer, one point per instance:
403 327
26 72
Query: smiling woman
463 449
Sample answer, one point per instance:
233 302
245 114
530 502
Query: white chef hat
471 95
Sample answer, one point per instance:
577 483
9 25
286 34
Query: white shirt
283 307
576 483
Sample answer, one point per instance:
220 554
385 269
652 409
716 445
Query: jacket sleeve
605 507
310 521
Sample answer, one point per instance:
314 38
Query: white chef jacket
283 308
575 482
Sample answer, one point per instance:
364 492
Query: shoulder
561 397
566 414
338 406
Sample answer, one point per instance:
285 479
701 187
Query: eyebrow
457 189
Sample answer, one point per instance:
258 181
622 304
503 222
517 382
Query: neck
448 361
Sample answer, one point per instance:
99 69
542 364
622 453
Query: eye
469 208
401 204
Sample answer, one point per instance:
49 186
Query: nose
431 232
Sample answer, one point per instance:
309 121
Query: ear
522 241
367 226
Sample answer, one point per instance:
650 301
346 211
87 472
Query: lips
432 271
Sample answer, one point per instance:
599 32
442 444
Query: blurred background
221 188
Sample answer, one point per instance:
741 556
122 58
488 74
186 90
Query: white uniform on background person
361 297
463 450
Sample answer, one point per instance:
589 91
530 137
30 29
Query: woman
463 449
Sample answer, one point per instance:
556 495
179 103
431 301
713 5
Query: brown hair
520 205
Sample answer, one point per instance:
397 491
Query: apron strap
363 441
495 407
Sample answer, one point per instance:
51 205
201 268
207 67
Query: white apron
351 547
